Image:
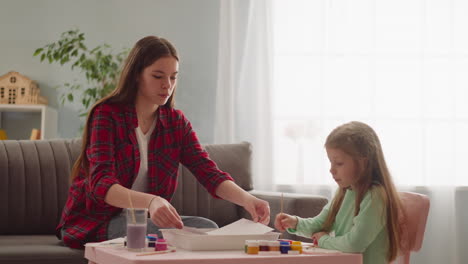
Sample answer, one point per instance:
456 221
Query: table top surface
119 254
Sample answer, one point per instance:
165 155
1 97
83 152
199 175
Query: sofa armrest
303 205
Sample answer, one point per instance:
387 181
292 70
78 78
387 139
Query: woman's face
344 169
157 81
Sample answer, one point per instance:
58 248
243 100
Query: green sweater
365 233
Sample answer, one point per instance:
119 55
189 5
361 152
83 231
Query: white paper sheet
242 227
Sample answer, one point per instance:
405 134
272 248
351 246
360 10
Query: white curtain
400 66
243 111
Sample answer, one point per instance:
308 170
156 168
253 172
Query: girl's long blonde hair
145 52
360 141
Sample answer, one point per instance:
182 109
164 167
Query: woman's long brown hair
360 141
145 52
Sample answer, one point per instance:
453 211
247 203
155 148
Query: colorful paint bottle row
273 247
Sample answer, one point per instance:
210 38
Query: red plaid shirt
114 158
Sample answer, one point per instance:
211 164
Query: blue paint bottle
284 247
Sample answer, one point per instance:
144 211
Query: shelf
47 113
22 108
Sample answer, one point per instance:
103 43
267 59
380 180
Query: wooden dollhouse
16 88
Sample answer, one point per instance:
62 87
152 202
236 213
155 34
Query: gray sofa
34 181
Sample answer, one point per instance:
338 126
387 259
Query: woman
133 142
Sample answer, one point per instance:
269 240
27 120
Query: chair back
415 209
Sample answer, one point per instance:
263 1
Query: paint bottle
151 239
247 242
253 247
161 244
284 247
274 246
263 245
296 246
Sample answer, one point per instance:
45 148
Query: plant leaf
39 50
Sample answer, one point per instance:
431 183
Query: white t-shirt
141 182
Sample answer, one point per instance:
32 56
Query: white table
120 255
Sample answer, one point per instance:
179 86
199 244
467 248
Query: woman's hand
163 214
258 209
284 221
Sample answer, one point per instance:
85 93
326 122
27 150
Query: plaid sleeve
196 159
100 154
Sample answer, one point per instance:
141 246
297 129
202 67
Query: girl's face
157 81
344 169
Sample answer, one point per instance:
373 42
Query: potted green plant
100 66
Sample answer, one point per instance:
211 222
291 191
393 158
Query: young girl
132 144
363 215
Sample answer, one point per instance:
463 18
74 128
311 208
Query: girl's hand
284 221
163 214
258 209
316 237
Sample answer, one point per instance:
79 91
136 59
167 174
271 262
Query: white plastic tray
191 241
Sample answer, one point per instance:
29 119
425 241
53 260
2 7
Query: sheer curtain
400 66
243 99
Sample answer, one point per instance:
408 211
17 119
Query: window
400 66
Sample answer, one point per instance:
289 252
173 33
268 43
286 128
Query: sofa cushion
191 198
235 159
34 185
37 249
